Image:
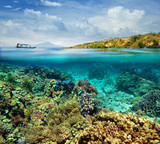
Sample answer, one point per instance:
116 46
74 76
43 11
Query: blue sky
70 22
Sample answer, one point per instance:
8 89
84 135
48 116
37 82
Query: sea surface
119 80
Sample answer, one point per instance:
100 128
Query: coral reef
43 105
133 84
59 122
45 134
65 113
86 93
58 88
88 105
158 131
2 140
84 86
149 103
113 127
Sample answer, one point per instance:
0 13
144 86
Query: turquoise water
122 79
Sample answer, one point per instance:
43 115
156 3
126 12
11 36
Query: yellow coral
114 127
2 140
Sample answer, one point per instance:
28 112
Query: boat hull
27 47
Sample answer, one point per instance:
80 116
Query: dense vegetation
151 40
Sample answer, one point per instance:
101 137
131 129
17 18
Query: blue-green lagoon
63 96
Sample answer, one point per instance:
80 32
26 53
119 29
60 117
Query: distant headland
150 40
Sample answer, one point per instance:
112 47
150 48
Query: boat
19 45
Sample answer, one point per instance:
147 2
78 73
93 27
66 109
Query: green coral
11 78
68 112
59 123
27 85
2 140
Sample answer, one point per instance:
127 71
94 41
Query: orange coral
17 120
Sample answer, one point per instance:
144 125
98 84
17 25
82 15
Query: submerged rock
149 103
133 84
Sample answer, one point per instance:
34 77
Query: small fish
80 91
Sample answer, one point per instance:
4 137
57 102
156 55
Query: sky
71 22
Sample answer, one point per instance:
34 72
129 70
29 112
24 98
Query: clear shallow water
121 76
65 55
95 65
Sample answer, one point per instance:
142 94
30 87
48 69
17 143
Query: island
150 40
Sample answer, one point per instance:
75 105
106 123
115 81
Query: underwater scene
79 96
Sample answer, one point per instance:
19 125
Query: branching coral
158 131
113 127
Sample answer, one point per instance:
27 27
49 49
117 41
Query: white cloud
49 3
7 6
118 19
115 22
35 27
31 12
43 22
16 9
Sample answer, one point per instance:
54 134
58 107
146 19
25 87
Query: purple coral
88 106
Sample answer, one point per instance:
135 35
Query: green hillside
151 40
